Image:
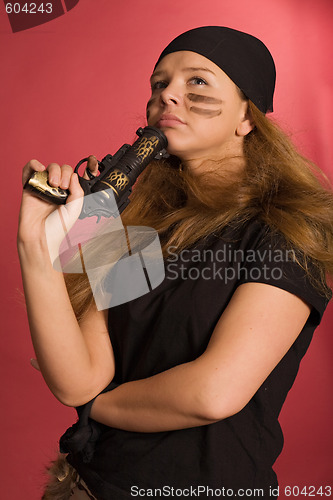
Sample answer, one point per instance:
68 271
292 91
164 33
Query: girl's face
198 108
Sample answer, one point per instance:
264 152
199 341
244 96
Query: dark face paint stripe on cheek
203 98
151 101
208 113
148 104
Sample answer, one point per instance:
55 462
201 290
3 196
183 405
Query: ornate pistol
118 172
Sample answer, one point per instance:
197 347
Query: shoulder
264 255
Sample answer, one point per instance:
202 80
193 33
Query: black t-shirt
172 325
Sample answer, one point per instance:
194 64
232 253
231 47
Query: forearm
174 399
60 348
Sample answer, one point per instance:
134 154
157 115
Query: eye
159 85
197 80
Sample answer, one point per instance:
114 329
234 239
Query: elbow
78 396
216 404
71 401
74 400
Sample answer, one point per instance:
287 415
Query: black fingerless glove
83 435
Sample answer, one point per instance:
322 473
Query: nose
171 94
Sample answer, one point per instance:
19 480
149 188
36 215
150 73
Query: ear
245 125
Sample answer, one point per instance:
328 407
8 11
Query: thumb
73 207
59 222
75 190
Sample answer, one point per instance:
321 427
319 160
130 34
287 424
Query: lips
168 120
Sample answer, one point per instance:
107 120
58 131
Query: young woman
198 368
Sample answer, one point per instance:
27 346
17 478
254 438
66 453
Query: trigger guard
92 176
89 174
76 169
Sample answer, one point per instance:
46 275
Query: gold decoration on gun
117 180
39 181
146 145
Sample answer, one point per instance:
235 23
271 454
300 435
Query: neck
229 157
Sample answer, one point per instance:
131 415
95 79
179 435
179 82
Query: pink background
78 85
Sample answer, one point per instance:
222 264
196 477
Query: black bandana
244 58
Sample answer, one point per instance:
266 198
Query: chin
176 144
176 152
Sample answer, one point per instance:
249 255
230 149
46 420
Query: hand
35 211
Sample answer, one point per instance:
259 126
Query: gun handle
38 185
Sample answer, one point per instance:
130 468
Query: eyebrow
162 72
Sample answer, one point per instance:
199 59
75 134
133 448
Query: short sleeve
268 259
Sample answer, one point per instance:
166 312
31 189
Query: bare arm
256 330
76 360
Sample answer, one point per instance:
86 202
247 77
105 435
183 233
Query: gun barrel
121 176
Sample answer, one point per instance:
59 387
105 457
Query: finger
92 165
30 167
54 171
72 209
34 363
75 190
66 174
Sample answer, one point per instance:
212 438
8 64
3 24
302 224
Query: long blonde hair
271 182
